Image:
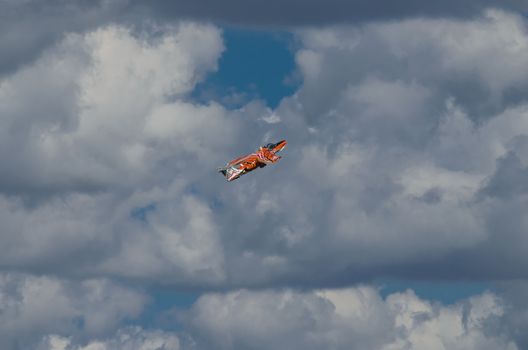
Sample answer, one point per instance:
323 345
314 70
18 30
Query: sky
394 221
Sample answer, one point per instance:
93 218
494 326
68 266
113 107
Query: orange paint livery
243 165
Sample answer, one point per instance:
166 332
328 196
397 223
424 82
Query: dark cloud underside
315 12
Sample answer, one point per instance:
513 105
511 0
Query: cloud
131 338
28 27
390 170
92 115
407 158
35 306
292 12
509 179
341 319
443 57
391 158
90 97
336 318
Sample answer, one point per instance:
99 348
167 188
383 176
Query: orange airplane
243 165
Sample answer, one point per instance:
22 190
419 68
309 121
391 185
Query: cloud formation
130 338
98 121
330 318
33 307
407 158
293 12
341 319
112 146
392 164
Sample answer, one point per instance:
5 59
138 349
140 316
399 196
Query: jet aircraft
242 165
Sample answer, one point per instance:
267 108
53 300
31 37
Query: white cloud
330 318
457 58
341 319
401 135
131 338
34 306
100 121
91 97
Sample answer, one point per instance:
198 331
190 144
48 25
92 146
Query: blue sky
256 62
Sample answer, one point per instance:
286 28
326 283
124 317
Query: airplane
242 165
